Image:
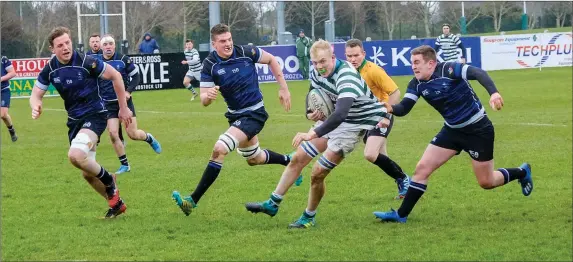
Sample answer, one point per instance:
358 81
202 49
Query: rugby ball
316 99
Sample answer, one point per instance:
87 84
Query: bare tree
534 10
193 14
425 11
312 12
451 12
497 10
38 25
391 12
559 10
145 16
10 24
233 13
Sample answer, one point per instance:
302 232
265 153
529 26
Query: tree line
25 25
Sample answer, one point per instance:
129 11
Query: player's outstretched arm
284 94
476 73
10 74
109 73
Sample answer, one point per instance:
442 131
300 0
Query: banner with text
160 71
392 55
526 51
27 71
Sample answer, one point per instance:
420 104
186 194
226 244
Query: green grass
528 31
50 213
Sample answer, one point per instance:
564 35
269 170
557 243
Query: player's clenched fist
496 101
212 93
36 111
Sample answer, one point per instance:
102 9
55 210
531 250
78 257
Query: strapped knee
250 152
92 155
325 163
83 142
228 141
309 149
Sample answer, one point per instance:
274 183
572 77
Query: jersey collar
336 66
362 65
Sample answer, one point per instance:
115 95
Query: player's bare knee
486 183
132 134
4 115
114 136
371 157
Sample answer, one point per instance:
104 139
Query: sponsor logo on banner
527 51
537 54
29 67
159 71
393 56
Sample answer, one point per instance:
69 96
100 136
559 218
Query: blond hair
320 45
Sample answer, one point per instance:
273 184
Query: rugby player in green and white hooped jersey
357 110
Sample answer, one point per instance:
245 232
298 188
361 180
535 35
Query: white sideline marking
302 117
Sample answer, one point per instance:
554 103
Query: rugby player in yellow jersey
384 88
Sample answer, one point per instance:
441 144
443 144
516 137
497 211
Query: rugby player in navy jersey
7 74
446 88
231 71
130 75
75 77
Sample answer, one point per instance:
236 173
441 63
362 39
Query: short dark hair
188 40
95 35
57 32
354 43
219 29
427 52
446 24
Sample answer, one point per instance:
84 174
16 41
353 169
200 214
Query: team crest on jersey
253 51
450 71
94 64
80 76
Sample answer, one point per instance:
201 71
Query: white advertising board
526 51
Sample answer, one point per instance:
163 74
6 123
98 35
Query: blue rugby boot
154 143
186 203
527 181
123 169
391 216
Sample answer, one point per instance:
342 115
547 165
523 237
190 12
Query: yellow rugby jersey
381 85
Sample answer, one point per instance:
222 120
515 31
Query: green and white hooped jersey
345 81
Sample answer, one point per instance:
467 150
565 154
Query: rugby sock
276 199
309 213
209 176
275 158
415 191
190 87
148 139
107 181
11 130
123 160
390 167
510 174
